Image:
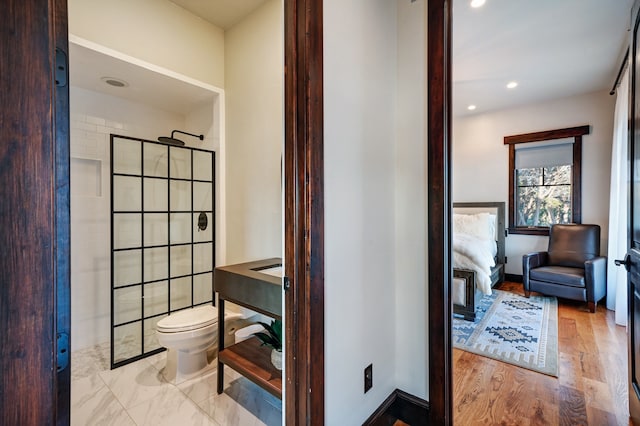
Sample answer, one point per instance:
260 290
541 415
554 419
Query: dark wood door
34 214
633 254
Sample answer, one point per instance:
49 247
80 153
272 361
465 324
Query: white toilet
188 335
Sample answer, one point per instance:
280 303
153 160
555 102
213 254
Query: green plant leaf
264 338
277 328
272 335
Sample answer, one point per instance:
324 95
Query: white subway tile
85 126
114 124
104 130
95 120
75 116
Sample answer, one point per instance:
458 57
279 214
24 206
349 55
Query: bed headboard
497 208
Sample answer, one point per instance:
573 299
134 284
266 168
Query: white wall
254 74
481 161
93 117
360 89
156 31
207 119
411 212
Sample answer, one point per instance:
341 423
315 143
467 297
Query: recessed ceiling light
471 107
512 85
477 3
115 82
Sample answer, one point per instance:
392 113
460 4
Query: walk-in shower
162 239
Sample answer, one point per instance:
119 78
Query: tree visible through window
543 195
545 176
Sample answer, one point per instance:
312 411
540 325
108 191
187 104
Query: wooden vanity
244 284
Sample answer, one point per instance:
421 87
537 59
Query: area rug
513 329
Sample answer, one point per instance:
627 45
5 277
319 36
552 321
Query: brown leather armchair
571 268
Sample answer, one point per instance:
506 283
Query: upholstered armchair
571 268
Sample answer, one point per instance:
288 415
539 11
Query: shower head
173 141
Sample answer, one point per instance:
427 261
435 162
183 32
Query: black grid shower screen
162 239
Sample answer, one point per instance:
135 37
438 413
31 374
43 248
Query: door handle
626 262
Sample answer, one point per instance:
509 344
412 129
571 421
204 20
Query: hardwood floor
591 388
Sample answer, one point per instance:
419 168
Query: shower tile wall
93 117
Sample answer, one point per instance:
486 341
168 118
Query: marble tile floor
137 394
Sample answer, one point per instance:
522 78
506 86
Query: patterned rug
513 329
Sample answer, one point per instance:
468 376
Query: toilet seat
188 320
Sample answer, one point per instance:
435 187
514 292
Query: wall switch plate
368 378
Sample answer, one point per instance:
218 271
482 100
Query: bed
478 253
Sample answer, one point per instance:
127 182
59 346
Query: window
544 179
543 176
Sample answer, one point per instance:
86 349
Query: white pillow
480 225
493 224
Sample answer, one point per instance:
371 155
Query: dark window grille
161 261
543 195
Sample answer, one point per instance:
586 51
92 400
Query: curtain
616 275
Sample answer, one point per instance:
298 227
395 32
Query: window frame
576 181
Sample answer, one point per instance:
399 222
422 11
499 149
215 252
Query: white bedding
476 254
480 225
474 245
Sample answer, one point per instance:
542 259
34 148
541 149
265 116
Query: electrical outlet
368 378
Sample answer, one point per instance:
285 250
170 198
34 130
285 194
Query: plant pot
276 359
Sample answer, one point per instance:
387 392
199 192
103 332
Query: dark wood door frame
304 213
439 202
34 213
304 216
63 218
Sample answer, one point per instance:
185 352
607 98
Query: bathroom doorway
234 129
40 387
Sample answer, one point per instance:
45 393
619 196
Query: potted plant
272 337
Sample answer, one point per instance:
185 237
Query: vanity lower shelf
253 361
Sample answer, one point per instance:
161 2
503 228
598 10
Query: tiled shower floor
137 394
